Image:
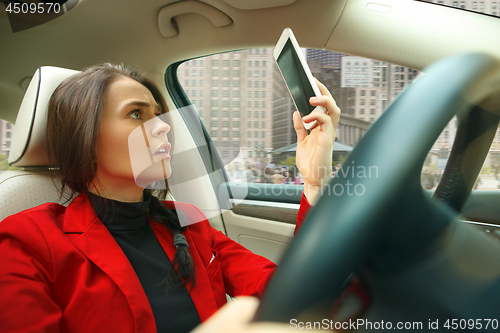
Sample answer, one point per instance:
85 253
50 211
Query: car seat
33 184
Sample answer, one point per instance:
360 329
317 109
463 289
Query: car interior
420 255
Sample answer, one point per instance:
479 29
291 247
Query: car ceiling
132 32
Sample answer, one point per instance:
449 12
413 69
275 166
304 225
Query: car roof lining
414 44
340 26
71 46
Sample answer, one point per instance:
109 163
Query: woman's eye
135 114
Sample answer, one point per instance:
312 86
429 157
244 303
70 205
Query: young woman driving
119 258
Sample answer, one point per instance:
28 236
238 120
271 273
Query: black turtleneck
127 222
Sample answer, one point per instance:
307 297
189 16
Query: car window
246 109
6 133
489 177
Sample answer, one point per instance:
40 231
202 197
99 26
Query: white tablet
296 74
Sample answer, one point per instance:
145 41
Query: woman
294 178
267 175
278 177
118 259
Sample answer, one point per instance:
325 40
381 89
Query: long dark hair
73 122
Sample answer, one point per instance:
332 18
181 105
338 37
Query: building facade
232 93
326 58
6 132
491 7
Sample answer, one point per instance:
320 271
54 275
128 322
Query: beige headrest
28 142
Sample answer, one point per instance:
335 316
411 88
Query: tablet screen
296 78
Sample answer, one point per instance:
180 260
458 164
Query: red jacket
61 270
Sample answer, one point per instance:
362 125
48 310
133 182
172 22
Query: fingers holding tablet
297 75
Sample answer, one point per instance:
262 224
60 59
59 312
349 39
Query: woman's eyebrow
141 104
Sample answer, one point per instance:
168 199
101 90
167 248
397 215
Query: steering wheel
374 217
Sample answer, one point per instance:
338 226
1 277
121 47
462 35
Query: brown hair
73 122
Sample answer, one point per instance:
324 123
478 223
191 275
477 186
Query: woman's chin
154 173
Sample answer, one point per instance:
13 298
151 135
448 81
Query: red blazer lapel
203 300
99 246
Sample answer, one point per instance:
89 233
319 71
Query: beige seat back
23 189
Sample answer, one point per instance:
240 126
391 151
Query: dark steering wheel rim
376 222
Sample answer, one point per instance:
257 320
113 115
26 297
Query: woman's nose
159 127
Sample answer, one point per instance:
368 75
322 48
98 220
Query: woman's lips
162 152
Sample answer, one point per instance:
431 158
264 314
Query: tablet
297 75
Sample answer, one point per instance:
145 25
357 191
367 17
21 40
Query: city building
356 72
445 140
283 131
231 93
6 131
487 6
351 128
326 58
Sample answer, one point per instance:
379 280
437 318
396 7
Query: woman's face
132 144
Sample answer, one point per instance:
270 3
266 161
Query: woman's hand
236 316
314 151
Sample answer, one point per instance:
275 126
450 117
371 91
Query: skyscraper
327 58
232 93
6 132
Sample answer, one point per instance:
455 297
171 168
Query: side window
236 107
246 108
6 133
